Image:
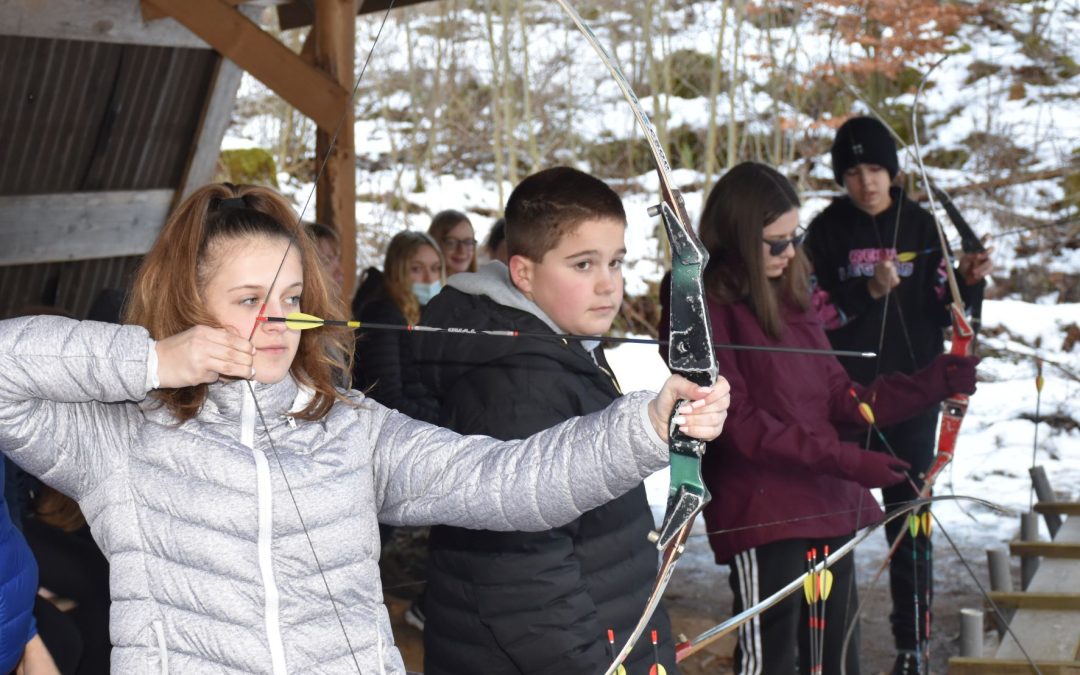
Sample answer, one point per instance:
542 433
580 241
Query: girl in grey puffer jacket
235 491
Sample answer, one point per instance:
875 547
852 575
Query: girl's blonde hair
167 296
396 279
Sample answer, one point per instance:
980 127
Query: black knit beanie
863 140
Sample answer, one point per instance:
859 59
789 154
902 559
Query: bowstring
262 311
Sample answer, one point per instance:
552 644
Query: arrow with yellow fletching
301 321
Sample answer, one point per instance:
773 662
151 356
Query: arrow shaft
313 323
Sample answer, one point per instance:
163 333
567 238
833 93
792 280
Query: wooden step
1028 600
1046 549
959 665
1059 508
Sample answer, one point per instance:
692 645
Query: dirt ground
699 598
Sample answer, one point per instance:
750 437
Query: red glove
876 469
949 374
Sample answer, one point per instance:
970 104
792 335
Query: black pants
776 642
70 565
911 568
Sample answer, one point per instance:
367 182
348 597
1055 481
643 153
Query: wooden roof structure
112 111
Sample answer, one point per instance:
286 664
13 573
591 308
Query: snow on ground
994 450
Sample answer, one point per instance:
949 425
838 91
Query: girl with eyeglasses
782 480
454 232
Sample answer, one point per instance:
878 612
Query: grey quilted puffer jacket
211 570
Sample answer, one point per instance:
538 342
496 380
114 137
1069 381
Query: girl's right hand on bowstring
201 355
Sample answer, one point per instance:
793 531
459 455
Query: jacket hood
493 281
487 301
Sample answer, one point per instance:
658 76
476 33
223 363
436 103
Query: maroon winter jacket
779 469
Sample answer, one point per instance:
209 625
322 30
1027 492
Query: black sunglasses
778 247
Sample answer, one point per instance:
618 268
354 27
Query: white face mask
425 292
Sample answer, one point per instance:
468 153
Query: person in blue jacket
20 645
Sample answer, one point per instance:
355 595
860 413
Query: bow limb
955 406
690 350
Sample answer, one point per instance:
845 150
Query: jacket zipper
163 651
264 493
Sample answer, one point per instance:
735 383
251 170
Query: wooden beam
113 21
984 666
1046 549
335 201
307 52
1060 508
151 13
298 14
235 36
1028 600
93 225
216 113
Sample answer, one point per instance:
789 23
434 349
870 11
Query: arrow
301 321
621 670
657 667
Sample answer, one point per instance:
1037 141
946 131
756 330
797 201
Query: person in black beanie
877 255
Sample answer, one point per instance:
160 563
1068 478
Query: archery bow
690 352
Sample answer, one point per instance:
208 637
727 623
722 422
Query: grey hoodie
493 280
211 570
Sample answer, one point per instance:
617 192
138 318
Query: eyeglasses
777 247
452 243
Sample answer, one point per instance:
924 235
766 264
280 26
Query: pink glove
877 469
949 374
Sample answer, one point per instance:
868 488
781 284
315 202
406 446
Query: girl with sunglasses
782 481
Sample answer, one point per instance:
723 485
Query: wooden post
1045 494
997 560
335 200
1029 531
971 633
1000 575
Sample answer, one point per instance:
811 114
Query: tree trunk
732 136
712 132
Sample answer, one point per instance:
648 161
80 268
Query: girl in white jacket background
235 490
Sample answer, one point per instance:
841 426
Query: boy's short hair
551 203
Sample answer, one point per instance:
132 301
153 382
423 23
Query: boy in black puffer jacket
503 603
877 254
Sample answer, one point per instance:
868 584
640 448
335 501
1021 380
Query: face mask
425 292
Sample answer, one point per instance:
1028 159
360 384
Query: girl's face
459 247
242 269
425 266
778 232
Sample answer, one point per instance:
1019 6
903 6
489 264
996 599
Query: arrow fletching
826 583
